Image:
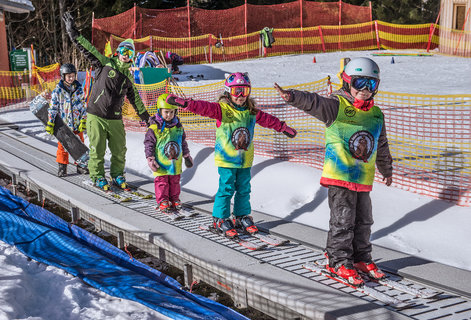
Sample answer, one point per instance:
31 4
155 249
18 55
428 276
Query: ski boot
346 272
225 227
82 170
120 182
102 183
246 224
62 172
371 269
165 206
177 205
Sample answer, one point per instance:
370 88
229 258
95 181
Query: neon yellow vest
168 150
234 138
351 147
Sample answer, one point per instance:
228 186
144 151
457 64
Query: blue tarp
45 237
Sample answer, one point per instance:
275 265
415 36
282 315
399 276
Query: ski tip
401 305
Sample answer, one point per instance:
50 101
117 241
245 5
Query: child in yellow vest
165 146
236 116
355 141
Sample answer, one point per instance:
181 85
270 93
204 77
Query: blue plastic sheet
45 237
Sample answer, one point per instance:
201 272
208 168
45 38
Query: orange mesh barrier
428 134
453 42
181 22
22 86
363 36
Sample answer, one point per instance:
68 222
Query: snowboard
72 143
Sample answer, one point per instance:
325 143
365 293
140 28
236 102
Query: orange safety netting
429 135
324 38
192 22
22 86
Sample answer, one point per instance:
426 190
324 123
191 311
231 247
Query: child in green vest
355 141
236 115
165 146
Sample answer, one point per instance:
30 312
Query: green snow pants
99 131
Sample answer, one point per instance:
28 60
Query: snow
404 221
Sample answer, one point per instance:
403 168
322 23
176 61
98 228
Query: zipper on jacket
102 91
122 85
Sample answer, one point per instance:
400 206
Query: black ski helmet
67 68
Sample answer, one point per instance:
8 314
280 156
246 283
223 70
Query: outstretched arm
203 108
324 109
268 121
88 50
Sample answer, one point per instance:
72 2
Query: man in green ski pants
113 82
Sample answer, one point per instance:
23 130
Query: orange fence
428 134
22 86
363 36
188 22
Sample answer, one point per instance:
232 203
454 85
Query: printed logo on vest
229 114
241 138
111 73
172 150
349 111
361 145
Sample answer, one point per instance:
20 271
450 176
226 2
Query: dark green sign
19 60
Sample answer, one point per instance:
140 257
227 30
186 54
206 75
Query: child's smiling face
240 100
168 114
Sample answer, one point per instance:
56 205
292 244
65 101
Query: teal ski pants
101 131
233 180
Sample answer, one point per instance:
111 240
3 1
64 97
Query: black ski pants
348 240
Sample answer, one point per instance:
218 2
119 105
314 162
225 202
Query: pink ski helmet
168 55
238 79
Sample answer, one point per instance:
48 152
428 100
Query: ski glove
188 161
284 94
288 131
50 127
70 26
83 125
176 101
145 118
152 164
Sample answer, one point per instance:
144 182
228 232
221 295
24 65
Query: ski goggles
243 91
124 51
360 83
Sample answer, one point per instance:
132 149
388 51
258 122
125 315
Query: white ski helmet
361 68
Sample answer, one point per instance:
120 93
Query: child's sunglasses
243 91
124 51
360 83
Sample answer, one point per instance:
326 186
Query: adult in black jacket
113 82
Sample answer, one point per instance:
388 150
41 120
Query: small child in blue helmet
236 115
165 146
356 141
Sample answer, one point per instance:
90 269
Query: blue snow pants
233 180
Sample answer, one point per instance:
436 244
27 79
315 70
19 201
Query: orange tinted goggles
240 91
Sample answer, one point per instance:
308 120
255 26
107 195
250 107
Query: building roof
16 6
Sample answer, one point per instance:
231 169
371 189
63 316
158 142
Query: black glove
188 161
145 117
70 26
288 131
176 101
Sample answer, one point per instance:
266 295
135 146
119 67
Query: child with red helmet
236 115
356 141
